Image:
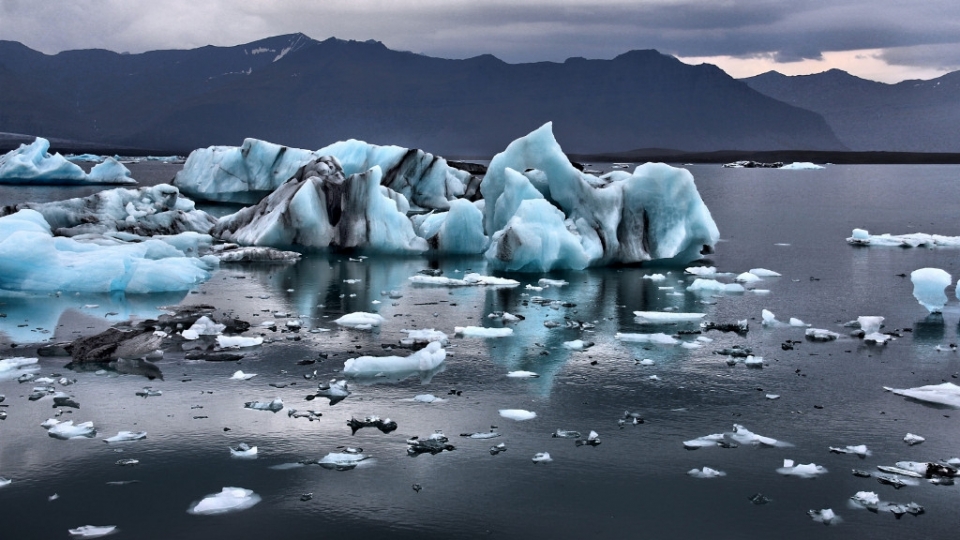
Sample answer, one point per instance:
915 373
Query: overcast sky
887 40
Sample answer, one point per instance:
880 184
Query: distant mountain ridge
910 116
302 92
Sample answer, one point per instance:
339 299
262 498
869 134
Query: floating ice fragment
593 439
336 391
542 457
520 374
769 319
753 361
272 406
658 338
773 396
544 282
809 470
861 237
655 277
701 285
427 398
943 394
239 375
912 439
928 286
481 332
801 166
360 320
481 435
703 442
797 322
93 531
472 279
577 345
494 450
566 434
4 482
230 499
243 450
825 516
702 271
203 327
240 342
385 425
859 450
667 316
819 334
763 272
705 472
646 362
426 359
426 335
126 436
866 499
149 392
434 444
746 277
66 430
745 436
517 414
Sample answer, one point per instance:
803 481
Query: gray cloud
922 32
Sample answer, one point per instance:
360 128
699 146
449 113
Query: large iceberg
32 259
33 164
319 208
928 286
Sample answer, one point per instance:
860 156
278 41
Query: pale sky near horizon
884 40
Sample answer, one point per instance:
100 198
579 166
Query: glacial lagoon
635 482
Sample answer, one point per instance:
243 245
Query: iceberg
230 499
33 164
28 244
458 230
928 286
941 394
654 213
426 359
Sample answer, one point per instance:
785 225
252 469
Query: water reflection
930 329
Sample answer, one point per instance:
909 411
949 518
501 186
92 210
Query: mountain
911 116
302 92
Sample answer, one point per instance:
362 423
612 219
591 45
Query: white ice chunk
8 365
426 359
912 439
425 335
517 414
244 450
227 342
542 457
272 406
763 272
126 436
859 450
706 472
809 470
745 436
701 285
703 442
825 516
427 398
861 237
230 499
928 286
544 282
820 334
655 277
866 499
658 338
92 531
110 171
667 316
481 332
577 345
943 394
800 166
360 320
522 374
797 322
458 230
239 375
746 277
472 279
203 327
769 319
702 271
67 430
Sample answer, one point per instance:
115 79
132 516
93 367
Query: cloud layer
921 33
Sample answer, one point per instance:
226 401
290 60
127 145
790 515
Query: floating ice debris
657 339
797 322
427 398
239 342
243 450
494 450
635 418
256 254
230 499
702 442
859 450
819 334
128 462
203 327
241 376
862 237
578 345
481 435
32 164
481 332
666 316
809 470
646 362
4 482
149 392
773 396
895 481
744 436
306 497
702 271
825 516
520 374
928 286
542 457
385 425
67 430
705 472
746 277
545 282
360 320
866 499
469 280
506 317
566 434
593 439
769 319
912 439
943 394
925 469
12 365
655 277
763 272
426 359
126 436
309 414
753 362
272 406
517 414
701 285
93 531
336 391
870 501
426 335
434 444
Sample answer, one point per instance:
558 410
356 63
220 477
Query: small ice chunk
202 327
912 439
565 434
544 282
705 472
229 342
482 332
230 499
241 376
520 374
360 320
870 325
4 482
701 285
67 430
542 457
243 450
943 394
655 277
593 439
425 335
859 450
928 286
93 531
763 272
426 359
126 436
702 271
483 435
658 338
517 414
753 361
272 406
746 277
427 398
769 319
703 442
797 322
809 470
819 334
773 396
577 345
667 316
866 499
646 362
745 436
825 516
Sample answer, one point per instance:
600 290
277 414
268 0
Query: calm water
634 484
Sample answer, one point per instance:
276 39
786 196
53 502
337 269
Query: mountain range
301 92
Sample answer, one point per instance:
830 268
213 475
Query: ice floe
862 237
426 359
126 436
239 375
334 390
666 316
521 374
705 472
243 450
542 457
703 285
857 450
657 339
809 470
93 531
342 461
230 499
942 394
360 320
482 332
763 272
801 166
825 516
67 430
928 286
913 439
517 414
33 164
203 327
433 444
272 406
820 334
424 336
238 342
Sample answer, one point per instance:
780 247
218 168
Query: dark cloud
921 32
